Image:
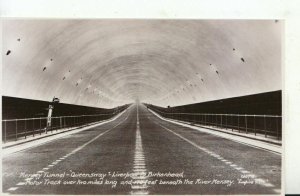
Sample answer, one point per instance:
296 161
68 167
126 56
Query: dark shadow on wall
16 108
269 103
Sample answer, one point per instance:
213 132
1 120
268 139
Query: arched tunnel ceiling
106 63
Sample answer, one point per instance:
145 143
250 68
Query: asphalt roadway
138 153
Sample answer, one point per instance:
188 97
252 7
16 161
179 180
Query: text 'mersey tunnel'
141 107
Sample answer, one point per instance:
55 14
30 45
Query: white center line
139 177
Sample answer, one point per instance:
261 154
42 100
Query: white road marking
74 151
239 168
139 165
139 192
12 188
245 172
138 187
139 170
225 161
138 159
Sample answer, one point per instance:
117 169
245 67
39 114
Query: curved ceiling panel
106 63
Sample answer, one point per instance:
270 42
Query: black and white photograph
142 106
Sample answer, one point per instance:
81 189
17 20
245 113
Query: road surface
139 153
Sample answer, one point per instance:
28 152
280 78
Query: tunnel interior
157 106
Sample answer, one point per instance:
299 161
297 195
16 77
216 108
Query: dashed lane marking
139 170
12 188
139 165
139 192
138 187
240 169
69 154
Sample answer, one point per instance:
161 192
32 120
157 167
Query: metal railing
267 125
15 129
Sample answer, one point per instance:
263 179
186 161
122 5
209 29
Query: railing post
221 121
33 129
265 126
60 122
238 122
254 125
231 121
52 120
40 125
246 124
205 119
4 131
16 130
225 121
25 128
277 128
